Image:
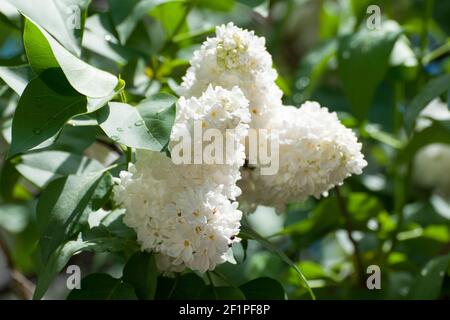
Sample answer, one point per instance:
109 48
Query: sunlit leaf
41 167
431 90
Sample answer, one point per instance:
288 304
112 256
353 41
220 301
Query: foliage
104 77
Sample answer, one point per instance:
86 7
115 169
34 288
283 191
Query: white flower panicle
316 153
187 227
184 212
235 57
227 112
434 159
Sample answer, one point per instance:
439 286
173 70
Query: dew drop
119 129
139 123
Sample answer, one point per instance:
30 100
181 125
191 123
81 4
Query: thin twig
359 268
21 286
212 284
401 180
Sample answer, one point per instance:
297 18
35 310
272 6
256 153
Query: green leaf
46 104
98 239
75 139
62 207
101 286
248 233
9 15
323 219
126 14
227 293
141 272
428 283
55 263
9 177
42 167
158 113
260 7
181 288
44 52
99 37
431 90
59 18
363 59
123 124
39 53
263 289
170 15
313 66
109 236
438 132
113 222
217 5
103 239
16 78
252 3
146 126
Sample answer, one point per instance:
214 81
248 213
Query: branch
359 268
21 286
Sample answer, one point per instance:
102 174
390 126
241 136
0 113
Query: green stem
212 284
21 286
172 290
128 155
442 50
359 268
401 181
425 27
220 275
399 99
428 10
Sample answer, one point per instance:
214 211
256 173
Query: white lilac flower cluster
187 213
316 153
235 57
218 109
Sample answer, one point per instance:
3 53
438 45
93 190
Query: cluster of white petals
184 212
222 110
316 153
235 57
